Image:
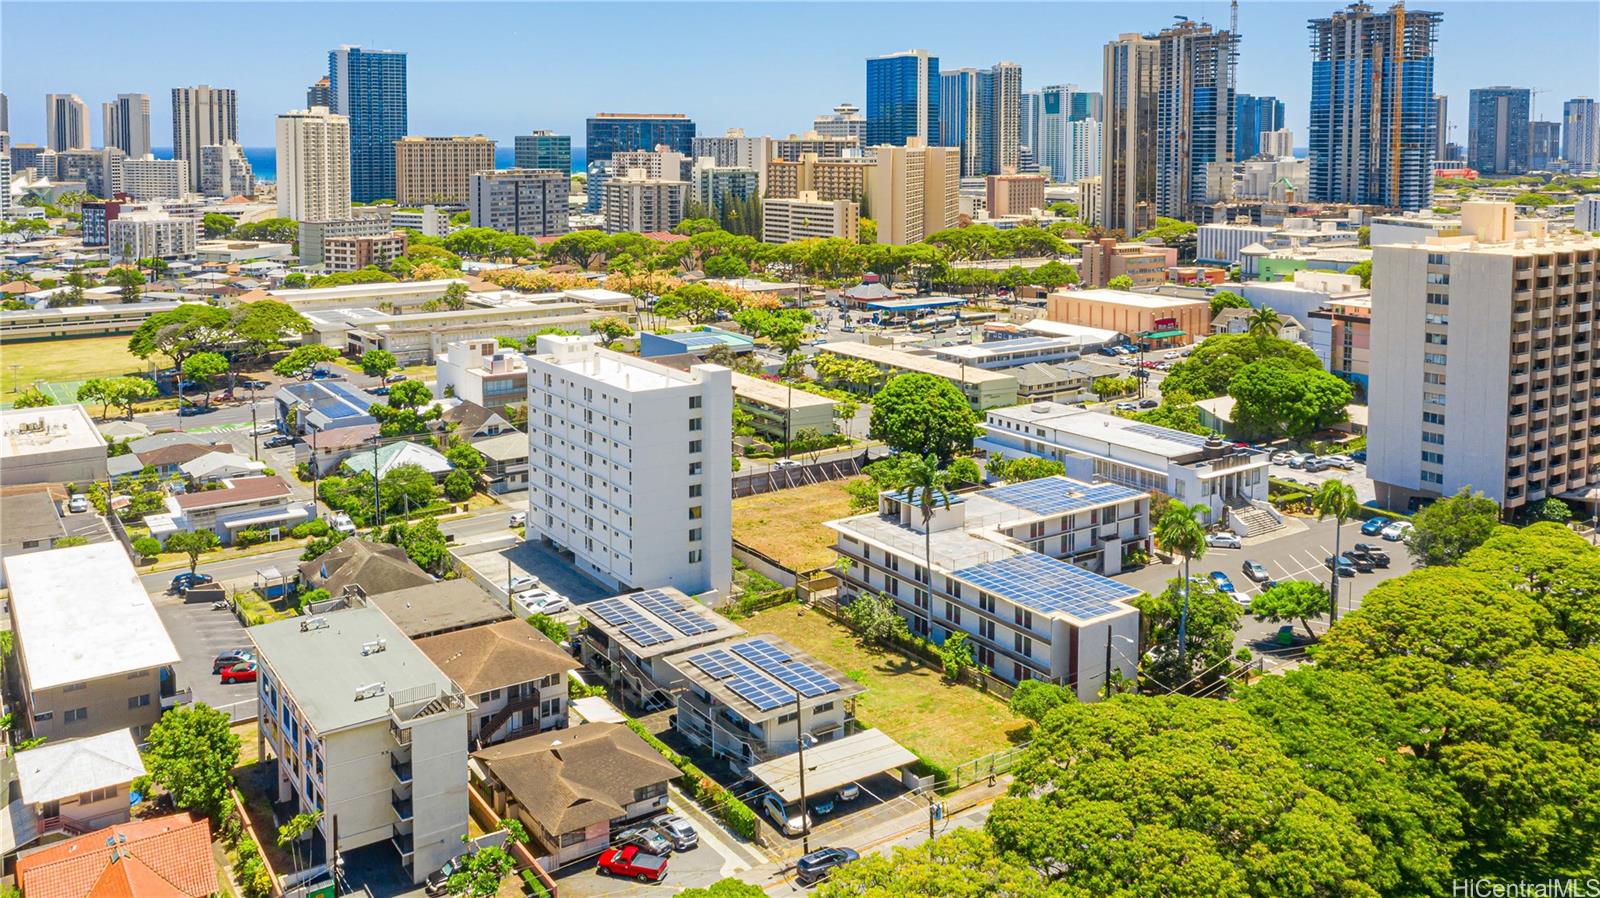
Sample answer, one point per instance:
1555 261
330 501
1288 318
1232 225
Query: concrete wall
106 701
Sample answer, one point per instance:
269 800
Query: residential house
392 456
443 607
1237 321
505 461
326 450
470 421
89 661
158 857
375 567
515 674
261 502
68 788
572 788
215 466
364 728
626 639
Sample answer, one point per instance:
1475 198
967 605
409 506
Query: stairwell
1248 520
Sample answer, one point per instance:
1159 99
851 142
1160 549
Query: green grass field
73 360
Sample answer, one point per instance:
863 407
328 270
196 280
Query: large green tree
963 864
177 334
1292 600
304 358
923 414
203 369
191 753
1227 299
695 303
1214 363
378 362
1178 530
266 325
1276 396
1448 529
1207 618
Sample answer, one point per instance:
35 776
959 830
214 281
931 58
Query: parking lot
497 566
1296 553
200 632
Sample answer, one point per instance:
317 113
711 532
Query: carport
833 764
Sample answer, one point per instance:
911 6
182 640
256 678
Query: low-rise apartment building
1162 320
480 371
364 728
356 253
1012 353
741 699
1145 264
363 221
1166 462
89 661
54 444
150 233
983 389
619 449
626 638
263 502
1011 571
516 676
780 412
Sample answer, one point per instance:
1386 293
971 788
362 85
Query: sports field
63 364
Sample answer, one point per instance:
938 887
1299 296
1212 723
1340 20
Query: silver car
676 830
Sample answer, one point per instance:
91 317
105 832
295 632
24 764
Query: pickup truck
632 861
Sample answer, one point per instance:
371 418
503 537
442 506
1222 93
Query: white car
963 331
264 429
342 523
1397 531
1224 541
523 583
543 603
1170 356
1341 461
78 504
518 519
785 463
791 824
1281 458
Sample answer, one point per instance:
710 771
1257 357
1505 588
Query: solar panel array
1048 496
763 674
674 612
629 622
1168 434
1044 584
954 499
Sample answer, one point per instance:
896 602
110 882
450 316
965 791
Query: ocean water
264 160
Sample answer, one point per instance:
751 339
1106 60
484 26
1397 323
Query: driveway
200 632
714 859
530 557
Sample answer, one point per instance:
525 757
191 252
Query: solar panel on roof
673 612
1048 496
745 681
1168 434
629 622
794 674
1045 584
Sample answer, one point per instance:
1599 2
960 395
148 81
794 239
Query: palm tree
1179 530
1263 323
1335 499
926 488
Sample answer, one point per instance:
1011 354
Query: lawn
943 723
79 358
787 524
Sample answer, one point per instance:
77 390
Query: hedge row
703 790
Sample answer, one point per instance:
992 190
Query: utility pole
932 818
800 746
1108 660
255 438
377 499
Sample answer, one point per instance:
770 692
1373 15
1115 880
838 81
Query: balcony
401 735
400 769
401 806
403 844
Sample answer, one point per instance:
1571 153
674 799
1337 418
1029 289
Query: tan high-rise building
313 165
829 179
202 116
127 124
806 217
1483 367
636 202
1013 194
439 169
913 190
1128 135
66 122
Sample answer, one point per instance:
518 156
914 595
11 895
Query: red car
243 672
631 860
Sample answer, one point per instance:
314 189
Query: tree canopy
923 414
1448 529
1213 364
191 753
1277 396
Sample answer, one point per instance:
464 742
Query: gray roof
164 440
323 667
439 607
124 465
29 516
375 567
574 778
503 447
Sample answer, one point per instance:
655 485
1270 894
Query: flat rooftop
1076 332
973 352
906 361
82 614
656 622
53 428
617 370
1091 426
363 291
756 676
440 607
1128 298
774 394
324 669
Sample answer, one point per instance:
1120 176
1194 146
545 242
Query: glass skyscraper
609 133
369 88
1373 120
1497 130
903 98
1251 116
1194 113
544 149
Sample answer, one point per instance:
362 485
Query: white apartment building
846 120
363 727
1014 569
806 217
225 172
630 466
634 201
480 372
150 233
203 116
1484 364
313 165
734 150
147 178
1220 243
527 201
1230 482
1586 214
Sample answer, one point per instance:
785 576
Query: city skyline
270 71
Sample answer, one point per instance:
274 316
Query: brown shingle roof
342 437
174 455
237 489
167 857
479 659
574 778
375 567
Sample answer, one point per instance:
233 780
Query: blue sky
769 67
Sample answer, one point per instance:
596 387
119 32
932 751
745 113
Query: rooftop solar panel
674 612
1168 434
1050 496
906 496
1047 585
629 622
794 674
745 681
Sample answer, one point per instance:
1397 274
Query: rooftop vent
374 647
313 623
371 690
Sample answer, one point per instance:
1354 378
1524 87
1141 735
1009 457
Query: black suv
821 862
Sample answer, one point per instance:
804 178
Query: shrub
147 546
724 805
317 528
244 539
535 887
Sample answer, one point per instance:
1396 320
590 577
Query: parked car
633 862
1359 455
1255 571
645 838
379 390
1127 406
342 523
1280 457
1224 540
1221 581
1170 356
1288 637
243 672
189 410
522 583
394 378
544 603
1148 403
818 864
822 805
790 824
849 792
1377 556
264 428
1241 599
438 882
1343 462
1315 464
678 831
1345 568
1397 531
1297 461
78 504
279 441
229 657
1374 526
186 581
519 519
784 463
962 331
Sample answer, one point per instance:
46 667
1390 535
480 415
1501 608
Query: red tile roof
239 489
166 857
